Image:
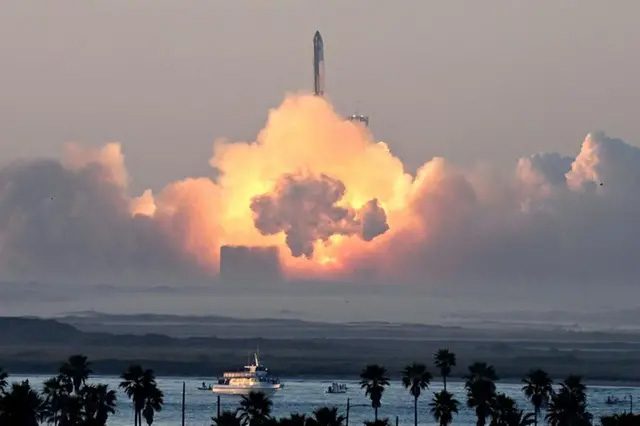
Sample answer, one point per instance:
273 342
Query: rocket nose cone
317 36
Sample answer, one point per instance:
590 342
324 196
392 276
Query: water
303 396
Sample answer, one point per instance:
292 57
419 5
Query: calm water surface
303 396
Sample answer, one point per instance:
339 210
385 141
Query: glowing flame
303 136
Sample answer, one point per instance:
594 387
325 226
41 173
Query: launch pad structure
318 76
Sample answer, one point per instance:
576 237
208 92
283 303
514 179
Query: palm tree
502 406
568 407
99 402
141 387
443 407
504 412
444 360
72 412
415 377
255 409
20 406
76 368
3 380
481 390
373 380
153 400
55 391
226 418
326 416
538 388
296 419
132 385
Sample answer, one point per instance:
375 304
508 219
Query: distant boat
204 387
337 388
254 378
612 400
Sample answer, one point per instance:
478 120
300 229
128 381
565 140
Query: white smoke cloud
557 221
566 222
73 224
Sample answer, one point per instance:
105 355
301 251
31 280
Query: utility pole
183 391
218 404
348 407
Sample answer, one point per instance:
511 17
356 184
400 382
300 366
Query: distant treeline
36 345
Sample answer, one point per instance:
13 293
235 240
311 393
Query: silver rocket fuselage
318 65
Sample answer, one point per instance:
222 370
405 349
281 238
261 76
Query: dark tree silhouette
3 380
443 407
505 412
141 387
76 368
444 361
99 402
538 388
132 386
55 390
373 380
625 419
568 407
326 416
227 418
296 419
416 378
378 422
153 399
20 406
255 409
481 390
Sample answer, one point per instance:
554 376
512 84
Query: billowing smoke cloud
335 204
305 208
72 223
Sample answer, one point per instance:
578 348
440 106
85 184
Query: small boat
612 400
254 378
204 387
337 388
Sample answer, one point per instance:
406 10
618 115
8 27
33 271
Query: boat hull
245 390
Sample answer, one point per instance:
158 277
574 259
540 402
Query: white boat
337 388
254 378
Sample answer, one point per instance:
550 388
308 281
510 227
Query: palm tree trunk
535 416
415 411
375 413
444 379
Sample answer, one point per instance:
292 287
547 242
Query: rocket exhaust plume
315 196
318 64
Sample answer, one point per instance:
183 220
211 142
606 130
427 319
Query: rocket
318 65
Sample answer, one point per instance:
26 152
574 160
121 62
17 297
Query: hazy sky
476 82
473 81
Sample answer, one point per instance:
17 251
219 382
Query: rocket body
318 65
